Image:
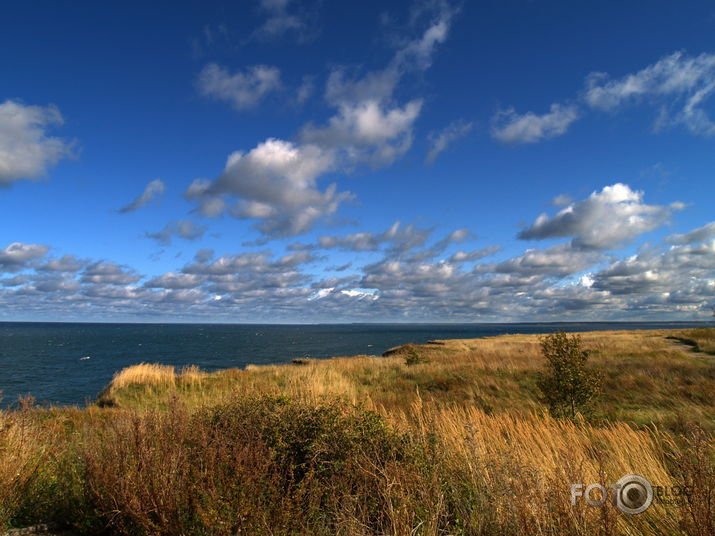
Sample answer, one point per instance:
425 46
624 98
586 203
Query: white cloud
510 127
467 256
414 55
361 294
54 283
367 132
682 273
419 52
172 280
369 126
557 261
605 220
679 82
696 235
15 281
557 283
275 183
242 89
109 273
66 263
373 86
26 150
186 229
397 238
154 189
440 141
16 256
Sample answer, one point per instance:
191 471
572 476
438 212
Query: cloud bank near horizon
405 273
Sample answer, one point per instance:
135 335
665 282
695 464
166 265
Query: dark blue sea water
48 360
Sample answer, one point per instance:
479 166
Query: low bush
252 466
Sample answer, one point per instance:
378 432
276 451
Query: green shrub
568 386
413 357
253 466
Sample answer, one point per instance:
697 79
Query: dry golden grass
143 374
648 379
525 465
462 447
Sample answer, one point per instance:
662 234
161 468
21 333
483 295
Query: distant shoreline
47 359
694 323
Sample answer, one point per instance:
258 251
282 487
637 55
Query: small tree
568 386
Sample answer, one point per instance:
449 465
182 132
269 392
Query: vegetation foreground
448 438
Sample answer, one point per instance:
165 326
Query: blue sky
285 161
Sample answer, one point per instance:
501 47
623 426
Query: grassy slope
647 378
457 444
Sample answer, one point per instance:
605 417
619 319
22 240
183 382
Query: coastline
60 352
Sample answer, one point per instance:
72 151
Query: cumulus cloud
245 277
241 89
397 238
557 261
368 126
53 283
152 190
17 256
680 83
407 278
186 229
66 263
664 278
15 281
276 183
109 273
605 220
696 235
244 263
510 127
367 132
26 149
474 255
440 141
172 280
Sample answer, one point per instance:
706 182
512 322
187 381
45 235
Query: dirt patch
688 346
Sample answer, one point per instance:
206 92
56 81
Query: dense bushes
251 466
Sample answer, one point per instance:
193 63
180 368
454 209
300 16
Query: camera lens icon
634 494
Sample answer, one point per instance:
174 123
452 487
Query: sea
70 363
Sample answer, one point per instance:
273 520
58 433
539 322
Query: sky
299 162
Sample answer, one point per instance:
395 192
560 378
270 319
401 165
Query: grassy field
444 439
